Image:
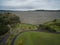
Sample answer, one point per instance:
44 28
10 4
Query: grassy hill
37 38
20 28
53 26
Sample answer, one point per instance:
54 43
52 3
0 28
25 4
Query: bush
40 26
48 28
4 29
54 20
7 19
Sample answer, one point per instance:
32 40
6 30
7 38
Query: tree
54 20
4 29
7 19
50 29
40 26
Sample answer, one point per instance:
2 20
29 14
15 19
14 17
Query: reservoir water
37 17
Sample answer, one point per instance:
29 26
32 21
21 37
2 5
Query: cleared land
37 38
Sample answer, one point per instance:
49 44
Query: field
37 38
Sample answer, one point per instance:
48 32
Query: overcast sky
29 4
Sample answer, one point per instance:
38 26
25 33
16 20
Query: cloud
29 4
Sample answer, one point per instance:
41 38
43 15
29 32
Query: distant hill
29 10
49 10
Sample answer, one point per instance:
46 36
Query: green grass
26 26
19 28
38 38
53 25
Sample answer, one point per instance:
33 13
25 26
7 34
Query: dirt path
3 40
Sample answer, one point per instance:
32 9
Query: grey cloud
30 4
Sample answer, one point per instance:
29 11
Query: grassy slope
26 26
52 25
18 28
38 38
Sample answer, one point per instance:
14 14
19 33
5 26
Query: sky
29 4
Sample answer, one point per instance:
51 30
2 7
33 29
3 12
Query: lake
37 17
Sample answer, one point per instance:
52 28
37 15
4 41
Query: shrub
4 29
7 19
54 20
